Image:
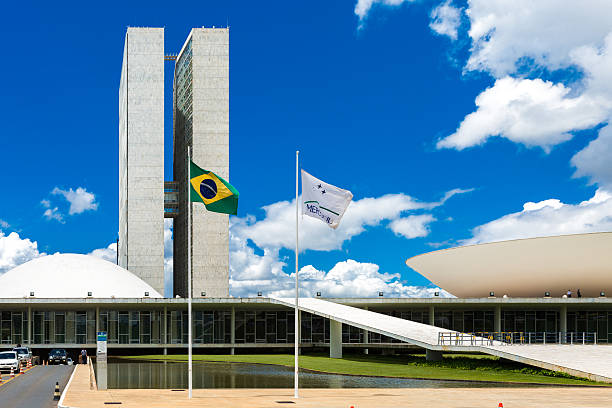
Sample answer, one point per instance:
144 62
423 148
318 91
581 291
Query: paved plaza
80 395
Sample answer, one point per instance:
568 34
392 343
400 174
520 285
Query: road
35 387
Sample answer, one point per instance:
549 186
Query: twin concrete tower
200 107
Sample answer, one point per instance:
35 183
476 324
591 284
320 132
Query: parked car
23 353
8 360
58 356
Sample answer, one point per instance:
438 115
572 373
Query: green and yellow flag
217 194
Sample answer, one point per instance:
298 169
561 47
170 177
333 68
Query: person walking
569 293
83 356
578 294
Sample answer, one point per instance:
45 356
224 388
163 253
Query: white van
23 353
8 360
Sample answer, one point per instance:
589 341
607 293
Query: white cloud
80 199
4 224
346 279
363 7
277 229
413 226
445 20
108 254
595 160
530 112
54 214
548 218
14 251
45 203
504 33
253 272
168 257
523 36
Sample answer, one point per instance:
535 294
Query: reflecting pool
123 373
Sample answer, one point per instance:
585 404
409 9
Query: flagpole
297 312
190 364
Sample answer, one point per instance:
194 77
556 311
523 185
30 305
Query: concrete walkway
587 361
79 395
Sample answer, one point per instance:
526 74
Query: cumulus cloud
14 251
168 257
108 254
413 226
363 7
346 279
256 266
547 218
80 199
530 112
445 20
595 160
515 40
54 214
505 33
4 224
277 229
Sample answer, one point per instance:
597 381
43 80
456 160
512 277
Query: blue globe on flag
208 188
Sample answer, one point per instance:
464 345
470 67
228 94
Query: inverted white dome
72 276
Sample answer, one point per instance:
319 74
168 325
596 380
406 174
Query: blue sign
101 336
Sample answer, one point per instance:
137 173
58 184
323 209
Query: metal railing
503 338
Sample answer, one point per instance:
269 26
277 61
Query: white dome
72 276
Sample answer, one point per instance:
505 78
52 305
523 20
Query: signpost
101 361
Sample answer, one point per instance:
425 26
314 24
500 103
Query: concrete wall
210 142
141 156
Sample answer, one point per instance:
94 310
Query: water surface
123 373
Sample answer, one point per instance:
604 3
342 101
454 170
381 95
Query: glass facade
266 326
13 327
531 321
587 321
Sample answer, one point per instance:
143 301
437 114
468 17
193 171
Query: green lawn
453 367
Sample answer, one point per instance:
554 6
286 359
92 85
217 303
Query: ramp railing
495 338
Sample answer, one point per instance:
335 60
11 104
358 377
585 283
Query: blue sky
380 96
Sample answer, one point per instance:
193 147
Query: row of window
277 327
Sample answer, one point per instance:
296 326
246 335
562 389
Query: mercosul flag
217 194
324 201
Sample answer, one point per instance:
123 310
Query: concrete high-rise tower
201 122
141 156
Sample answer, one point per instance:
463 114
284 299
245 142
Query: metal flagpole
190 364
297 312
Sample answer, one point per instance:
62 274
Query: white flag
324 201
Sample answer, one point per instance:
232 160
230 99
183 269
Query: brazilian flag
217 194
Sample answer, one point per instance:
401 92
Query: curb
60 404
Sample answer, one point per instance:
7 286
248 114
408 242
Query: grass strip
452 367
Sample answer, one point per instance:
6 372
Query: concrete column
335 339
164 335
366 338
102 375
498 325
233 330
432 318
563 321
433 355
29 325
97 322
299 333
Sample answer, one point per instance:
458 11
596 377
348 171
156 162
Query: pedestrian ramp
587 361
419 334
